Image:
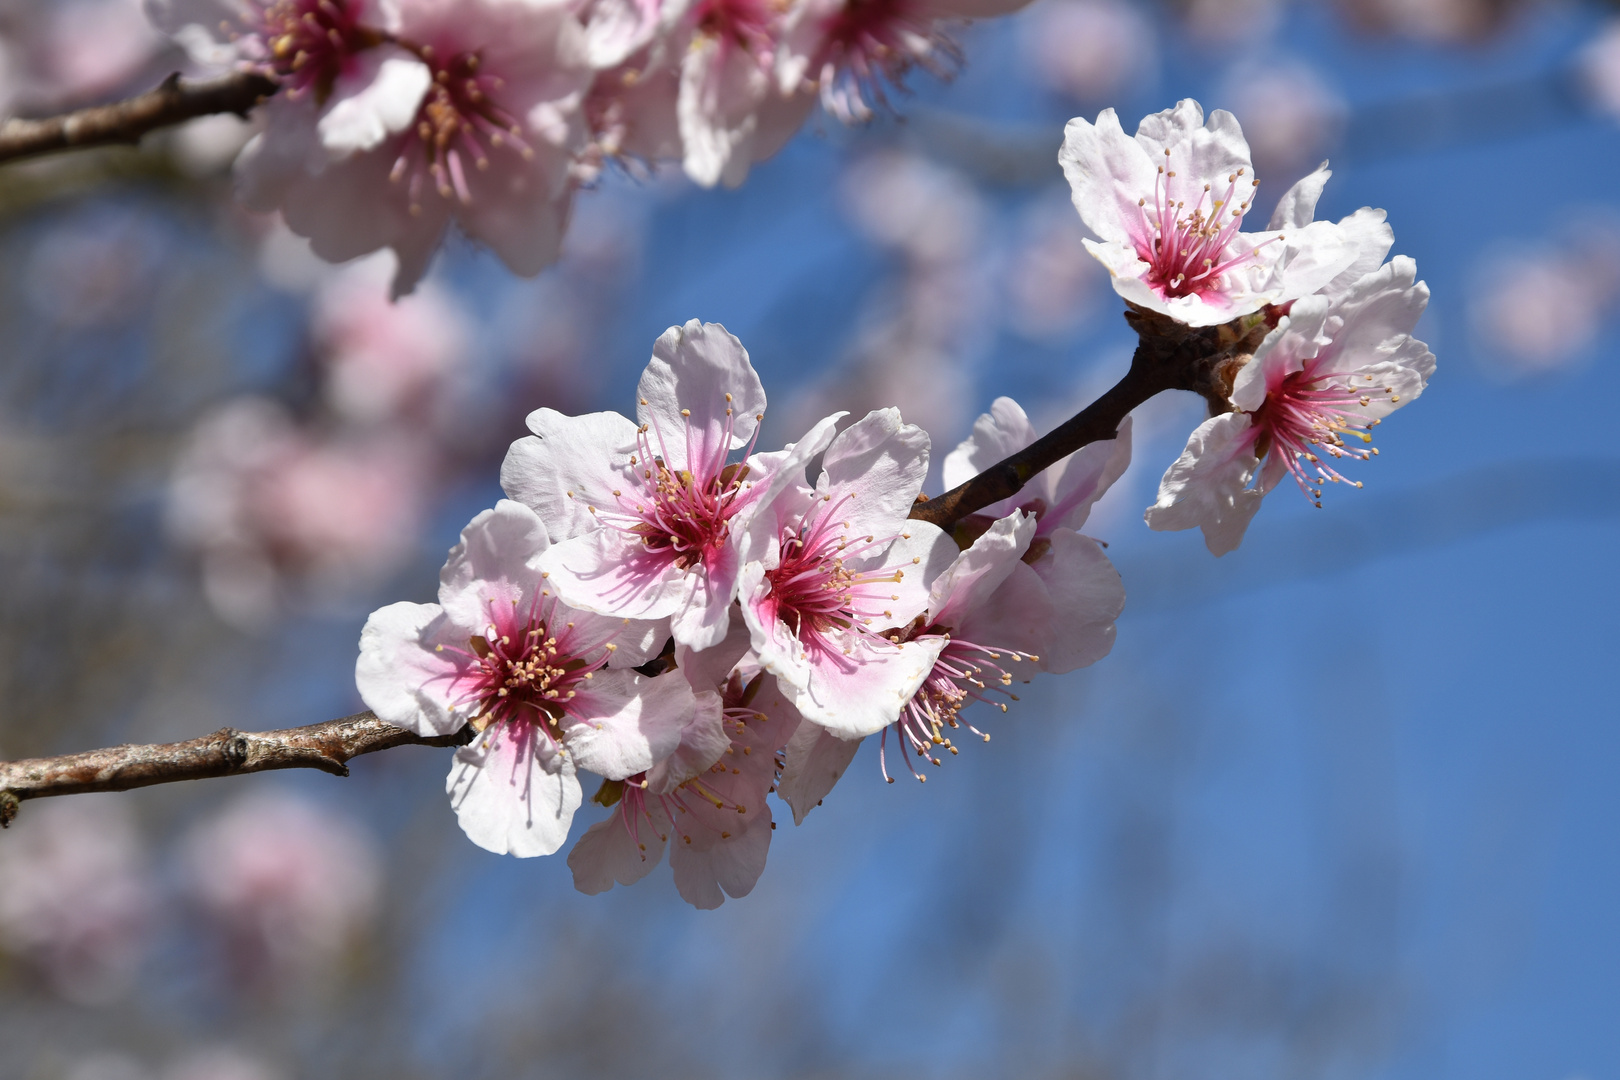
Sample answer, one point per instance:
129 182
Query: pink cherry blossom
648 515
851 48
1168 208
470 114
544 685
702 91
1315 389
708 798
288 884
828 571
1060 601
78 902
386 361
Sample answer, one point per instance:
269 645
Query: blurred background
1342 804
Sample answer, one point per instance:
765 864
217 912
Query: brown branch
226 752
175 101
1169 356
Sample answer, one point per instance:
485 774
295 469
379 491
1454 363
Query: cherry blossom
1168 207
827 571
78 900
544 685
703 91
1061 599
851 48
648 515
708 799
287 883
470 114
1317 386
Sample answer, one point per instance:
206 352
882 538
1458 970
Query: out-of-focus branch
226 752
1169 356
175 101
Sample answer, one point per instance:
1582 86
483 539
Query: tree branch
1169 356
175 101
226 752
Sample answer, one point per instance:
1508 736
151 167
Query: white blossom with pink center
649 514
470 115
1317 386
829 572
705 88
288 884
309 46
1168 207
707 800
78 900
850 48
1061 599
545 686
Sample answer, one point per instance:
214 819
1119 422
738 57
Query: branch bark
1169 356
175 101
227 752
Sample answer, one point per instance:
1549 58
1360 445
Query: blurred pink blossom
385 359
77 900
922 210
277 512
1291 117
221 1063
1089 49
1600 69
55 55
1535 310
1053 285
288 884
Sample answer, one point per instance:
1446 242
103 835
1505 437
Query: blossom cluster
702 623
664 604
396 118
1337 354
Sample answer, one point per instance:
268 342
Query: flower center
684 516
812 588
1186 249
458 122
747 24
964 673
1308 417
527 668
310 42
869 42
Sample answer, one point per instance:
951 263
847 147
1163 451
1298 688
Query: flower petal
402 674
1205 486
816 758
700 395
512 794
626 723
570 464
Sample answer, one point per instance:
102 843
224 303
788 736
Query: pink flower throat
1308 416
869 42
1186 249
458 124
311 42
815 592
963 674
684 516
526 668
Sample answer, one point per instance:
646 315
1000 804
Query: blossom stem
1169 356
175 101
327 746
